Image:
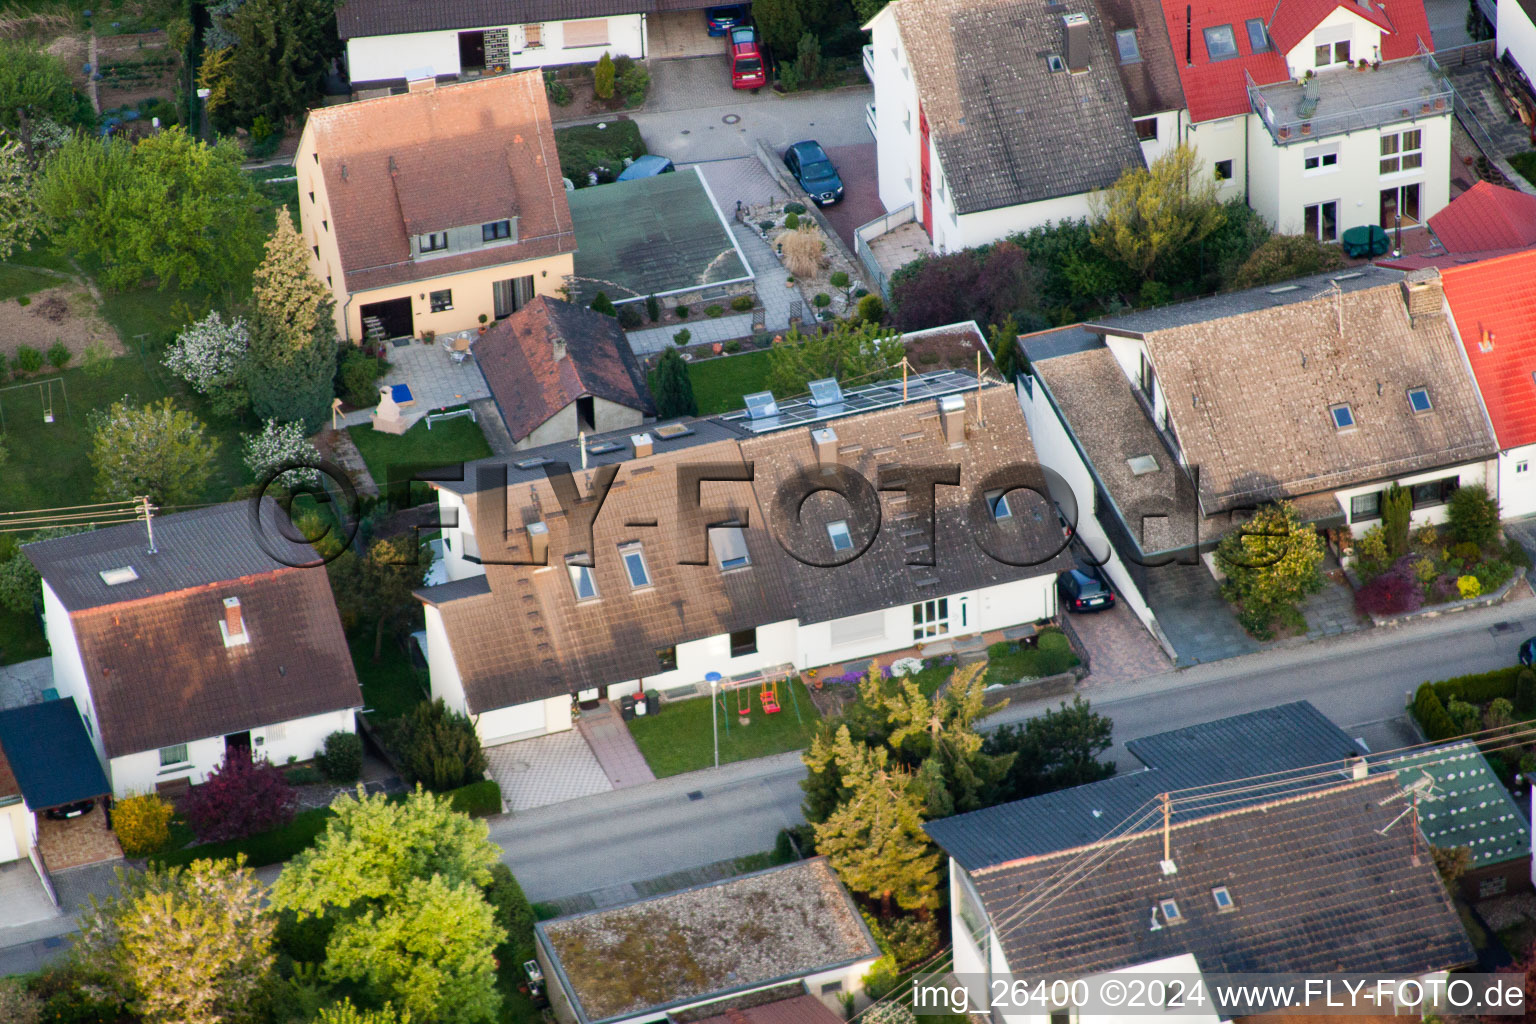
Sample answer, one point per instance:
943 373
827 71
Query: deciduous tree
239 798
1271 563
212 355
293 336
345 1013
35 87
377 587
1283 257
20 217
278 445
21 588
1152 213
182 945
158 450
857 352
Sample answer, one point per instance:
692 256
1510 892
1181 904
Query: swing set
45 397
767 698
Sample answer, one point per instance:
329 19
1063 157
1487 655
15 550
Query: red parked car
746 59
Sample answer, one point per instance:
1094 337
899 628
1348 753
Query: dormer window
1332 53
730 546
436 241
496 230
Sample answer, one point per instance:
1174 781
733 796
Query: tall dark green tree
781 25
1052 751
672 389
278 63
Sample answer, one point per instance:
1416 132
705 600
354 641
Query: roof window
1343 418
1220 42
582 581
1141 465
122 574
1171 912
1054 62
842 540
634 565
1223 899
1418 400
1125 42
1258 38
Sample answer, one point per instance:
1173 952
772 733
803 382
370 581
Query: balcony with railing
869 62
1350 99
869 119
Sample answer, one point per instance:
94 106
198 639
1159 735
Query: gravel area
791 920
1504 911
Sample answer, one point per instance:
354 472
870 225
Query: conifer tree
293 336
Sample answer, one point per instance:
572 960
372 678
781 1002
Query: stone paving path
488 416
1119 648
1194 616
546 770
23 683
700 332
435 380
615 749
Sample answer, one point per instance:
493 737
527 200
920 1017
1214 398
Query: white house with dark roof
204 639
674 594
995 117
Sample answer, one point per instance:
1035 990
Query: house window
1220 42
1332 53
1434 492
170 756
744 642
1523 466
1148 381
930 618
1400 201
437 241
1061 1017
1402 151
593 32
634 565
997 501
730 545
1223 898
666 658
1223 170
1418 400
442 301
317 251
1365 506
1125 42
1258 38
583 583
533 36
496 229
1343 416
1146 129
1321 221
841 539
311 197
1320 159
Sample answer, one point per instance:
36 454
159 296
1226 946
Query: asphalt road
1361 681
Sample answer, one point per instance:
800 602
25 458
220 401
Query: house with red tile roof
1322 114
1486 218
435 210
1493 313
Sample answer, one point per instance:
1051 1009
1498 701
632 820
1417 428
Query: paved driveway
546 770
681 34
861 189
1119 647
1194 616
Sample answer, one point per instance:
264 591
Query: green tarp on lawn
650 237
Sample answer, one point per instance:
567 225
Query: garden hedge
1431 714
1479 688
476 799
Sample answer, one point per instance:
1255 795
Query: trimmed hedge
1431 714
1479 688
476 799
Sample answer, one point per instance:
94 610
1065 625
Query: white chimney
559 347
642 444
825 440
538 541
1359 767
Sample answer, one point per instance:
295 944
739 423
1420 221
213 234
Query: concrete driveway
694 115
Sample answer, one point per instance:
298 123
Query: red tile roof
1486 217
1219 89
1498 296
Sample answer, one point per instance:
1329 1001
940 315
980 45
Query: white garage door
8 850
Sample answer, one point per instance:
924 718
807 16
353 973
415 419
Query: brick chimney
426 83
1423 295
234 622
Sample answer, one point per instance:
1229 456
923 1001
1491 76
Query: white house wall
1169 128
896 130
459 538
952 232
446 684
68 666
1516 35
1467 475
299 739
385 58
18 820
1516 480
1340 25
1223 139
697 658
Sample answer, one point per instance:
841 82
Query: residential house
979 104
772 947
1149 73
390 41
557 370
194 635
1493 314
47 763
1514 30
671 592
1314 882
431 210
1168 422
1284 117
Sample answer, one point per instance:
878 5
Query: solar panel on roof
826 392
760 405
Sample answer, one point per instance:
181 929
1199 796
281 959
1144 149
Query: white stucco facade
1516 35
392 58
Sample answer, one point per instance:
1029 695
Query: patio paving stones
546 770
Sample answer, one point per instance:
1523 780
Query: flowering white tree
211 355
278 445
20 218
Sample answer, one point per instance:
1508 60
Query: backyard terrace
1348 99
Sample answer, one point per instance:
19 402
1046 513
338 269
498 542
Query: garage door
8 846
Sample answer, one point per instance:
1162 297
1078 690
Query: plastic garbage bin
652 703
640 706
627 707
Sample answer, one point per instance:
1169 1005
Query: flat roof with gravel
683 948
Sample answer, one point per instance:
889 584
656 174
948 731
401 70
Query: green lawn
679 739
15 281
264 848
719 384
391 685
1525 163
584 147
448 442
1008 662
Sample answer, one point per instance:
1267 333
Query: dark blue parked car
813 169
723 19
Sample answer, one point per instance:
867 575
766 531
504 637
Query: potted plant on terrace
483 319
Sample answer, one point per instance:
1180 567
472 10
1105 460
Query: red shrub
240 798
1392 593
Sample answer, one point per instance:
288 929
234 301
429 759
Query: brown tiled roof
160 674
528 638
1152 83
1249 395
1316 888
530 385
452 156
1002 121
390 17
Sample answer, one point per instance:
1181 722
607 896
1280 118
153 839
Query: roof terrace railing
1346 100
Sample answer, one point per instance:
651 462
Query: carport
677 29
51 761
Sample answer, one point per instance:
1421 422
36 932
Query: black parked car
68 811
813 169
1084 590
1528 652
